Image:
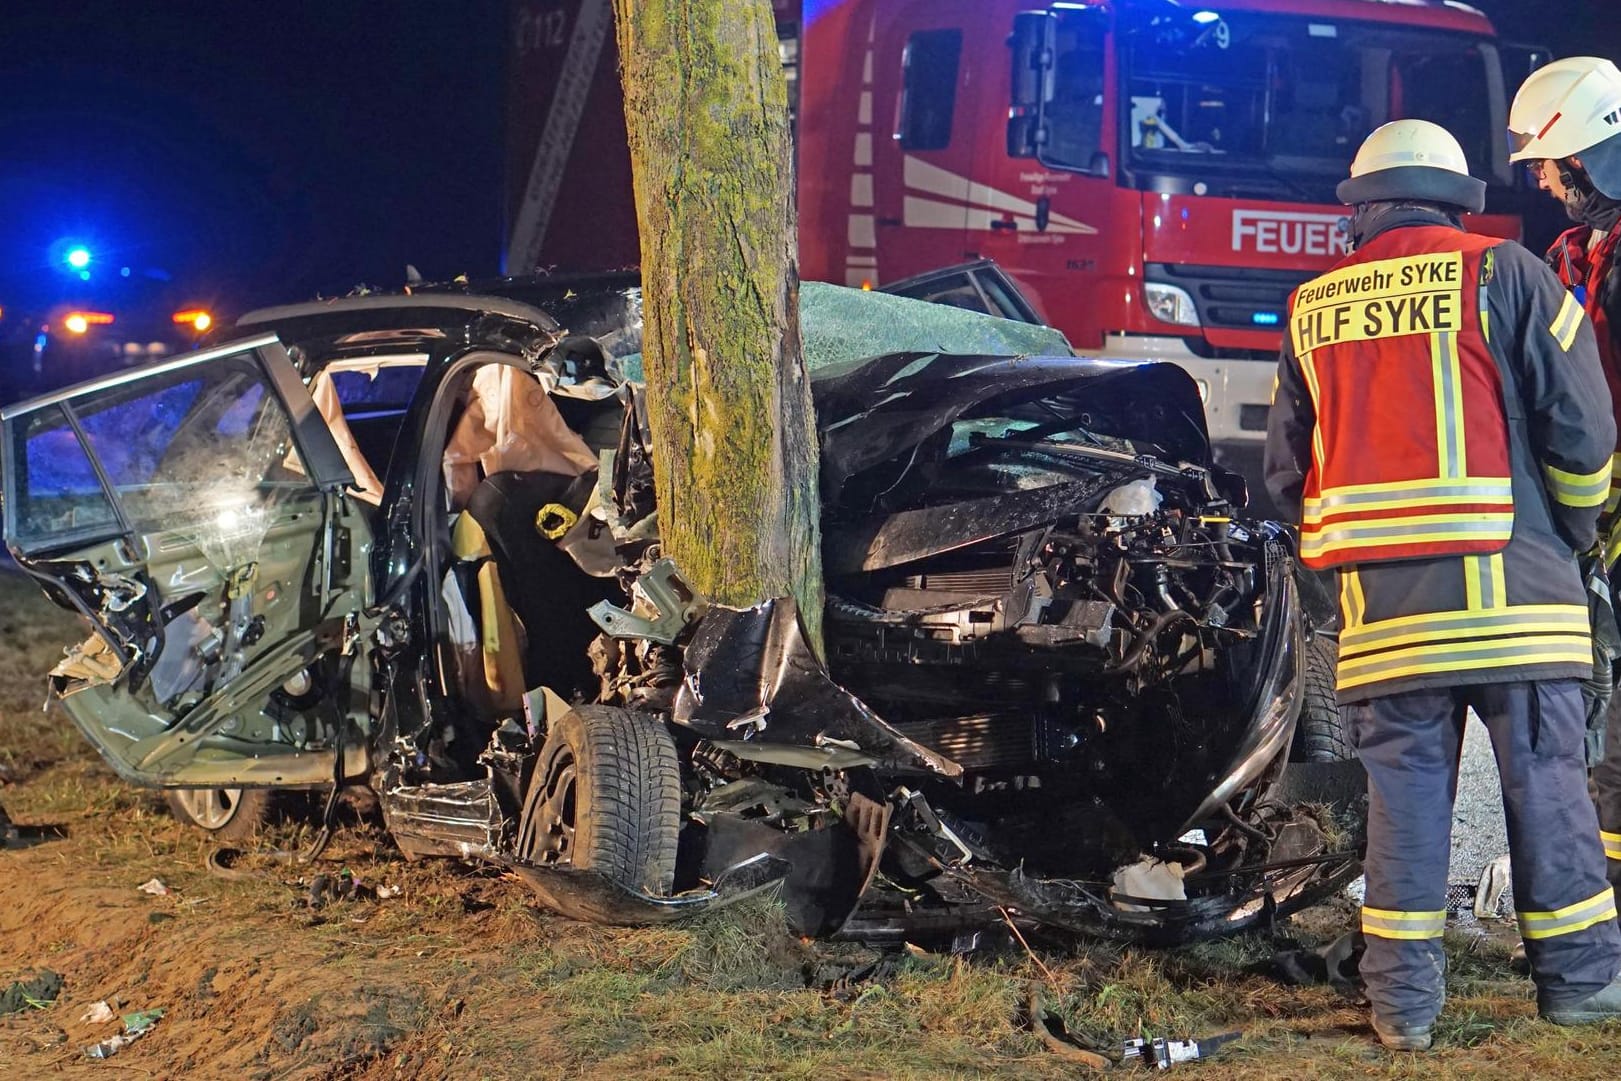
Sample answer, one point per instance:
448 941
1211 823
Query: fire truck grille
1233 298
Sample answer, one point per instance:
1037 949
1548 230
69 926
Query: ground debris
1335 963
136 1025
1050 1029
1162 1053
97 1013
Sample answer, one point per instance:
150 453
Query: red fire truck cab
1156 176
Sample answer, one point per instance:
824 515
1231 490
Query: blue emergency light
1266 319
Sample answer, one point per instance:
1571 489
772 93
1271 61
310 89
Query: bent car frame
410 542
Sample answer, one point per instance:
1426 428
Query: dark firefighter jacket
1440 610
1595 279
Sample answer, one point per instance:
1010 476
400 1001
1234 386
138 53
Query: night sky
264 152
259 152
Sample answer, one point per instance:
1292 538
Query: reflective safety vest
1410 456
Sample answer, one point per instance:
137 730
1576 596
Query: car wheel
1323 733
230 814
606 797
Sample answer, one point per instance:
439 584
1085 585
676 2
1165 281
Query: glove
1596 688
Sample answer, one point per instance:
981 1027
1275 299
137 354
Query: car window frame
316 447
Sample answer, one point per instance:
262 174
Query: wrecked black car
409 542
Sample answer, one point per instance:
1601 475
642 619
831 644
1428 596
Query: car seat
544 587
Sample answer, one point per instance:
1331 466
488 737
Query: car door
195 512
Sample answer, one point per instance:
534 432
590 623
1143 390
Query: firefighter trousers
1409 744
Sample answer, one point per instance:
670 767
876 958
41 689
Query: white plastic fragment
1148 879
98 1014
155 887
386 892
1132 500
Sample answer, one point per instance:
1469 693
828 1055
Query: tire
230 814
606 796
1323 733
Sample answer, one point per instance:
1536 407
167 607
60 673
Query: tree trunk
729 400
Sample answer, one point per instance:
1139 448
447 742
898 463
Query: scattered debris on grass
97 1013
1050 1028
1336 963
1162 1054
155 887
136 1025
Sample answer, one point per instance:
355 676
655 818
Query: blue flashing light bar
1266 319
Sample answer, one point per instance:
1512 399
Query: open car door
195 512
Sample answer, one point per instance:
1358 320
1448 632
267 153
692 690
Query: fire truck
1156 176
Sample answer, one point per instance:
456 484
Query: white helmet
1567 107
1412 159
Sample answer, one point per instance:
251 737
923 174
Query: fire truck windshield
1270 105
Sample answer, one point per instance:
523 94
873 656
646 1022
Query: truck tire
606 796
230 814
1323 733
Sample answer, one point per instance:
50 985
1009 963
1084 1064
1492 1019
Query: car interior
514 475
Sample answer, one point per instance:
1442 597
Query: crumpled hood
874 410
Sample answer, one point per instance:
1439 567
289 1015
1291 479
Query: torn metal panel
590 895
830 867
751 675
461 819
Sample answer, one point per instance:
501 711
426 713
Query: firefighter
1565 125
1444 430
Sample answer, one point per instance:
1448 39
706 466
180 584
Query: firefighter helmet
1565 108
1412 159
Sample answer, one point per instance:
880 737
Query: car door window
60 495
205 442
206 449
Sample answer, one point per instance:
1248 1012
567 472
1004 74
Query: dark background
258 151
263 152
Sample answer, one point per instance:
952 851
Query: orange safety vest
1410 456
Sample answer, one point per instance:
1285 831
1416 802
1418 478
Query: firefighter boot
1404 1037
1601 1005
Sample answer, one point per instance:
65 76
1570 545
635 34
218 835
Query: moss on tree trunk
729 399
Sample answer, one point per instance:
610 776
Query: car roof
438 324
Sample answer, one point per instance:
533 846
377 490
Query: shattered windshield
1034 445
1293 96
206 450
841 325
